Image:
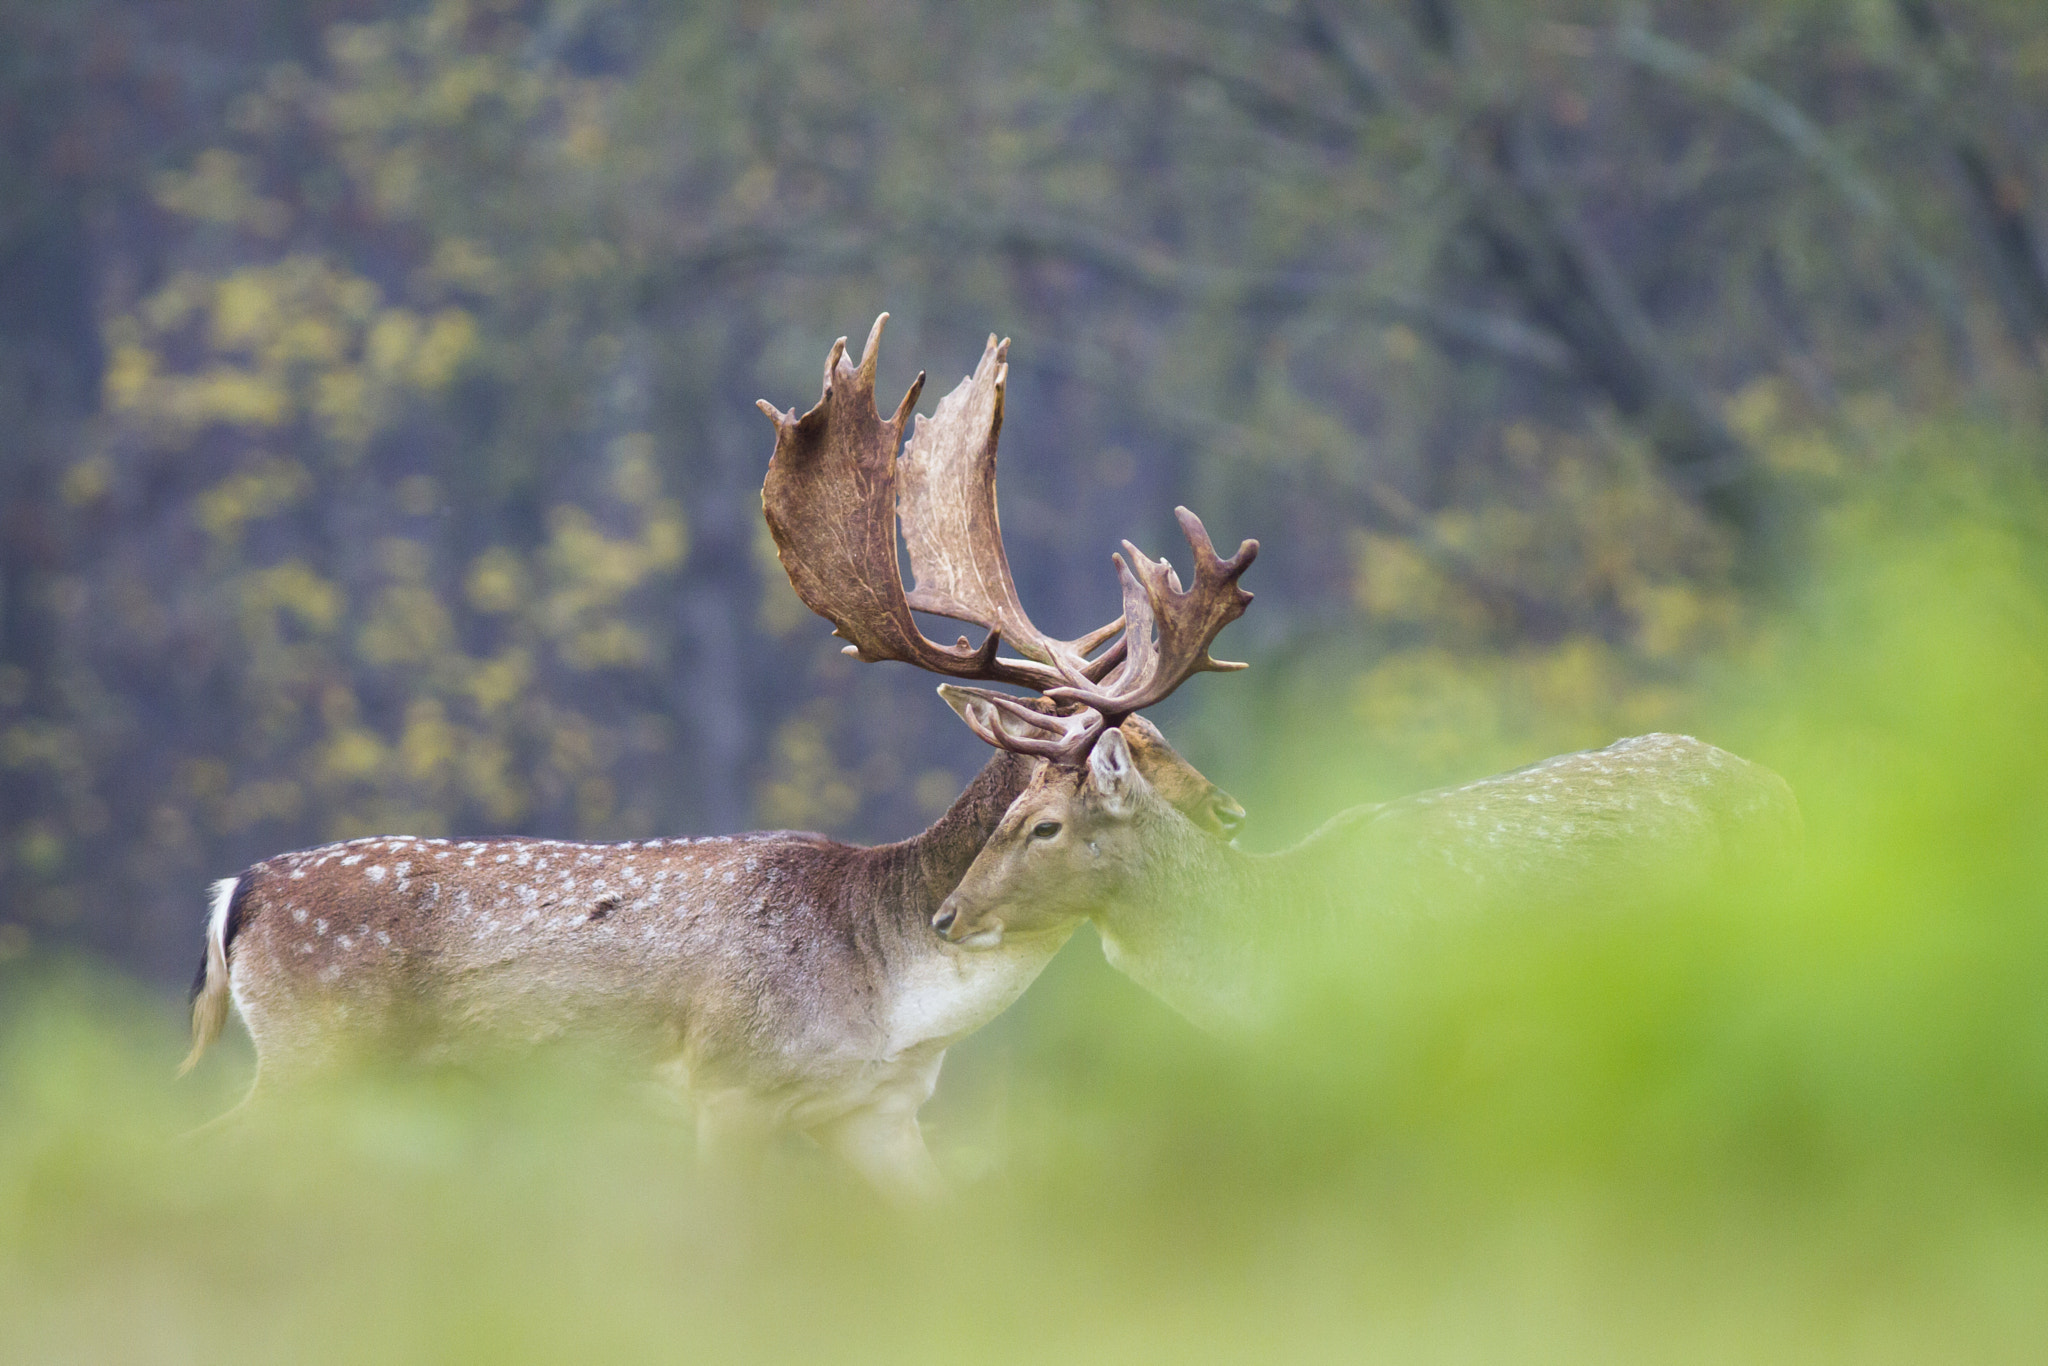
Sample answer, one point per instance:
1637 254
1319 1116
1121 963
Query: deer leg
886 1147
227 1121
280 1075
733 1131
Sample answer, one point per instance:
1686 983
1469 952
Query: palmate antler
832 498
947 503
834 493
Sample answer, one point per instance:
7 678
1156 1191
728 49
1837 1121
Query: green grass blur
1797 1122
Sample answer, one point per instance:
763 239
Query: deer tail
210 987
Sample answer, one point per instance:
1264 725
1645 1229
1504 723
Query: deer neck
936 991
1199 928
931 864
1207 927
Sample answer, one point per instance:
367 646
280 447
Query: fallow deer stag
1203 925
783 980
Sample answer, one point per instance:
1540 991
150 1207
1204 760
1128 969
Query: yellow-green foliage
1800 1122
385 674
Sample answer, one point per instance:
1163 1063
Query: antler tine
1070 734
1098 668
1168 630
947 503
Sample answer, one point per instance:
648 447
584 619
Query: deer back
1625 822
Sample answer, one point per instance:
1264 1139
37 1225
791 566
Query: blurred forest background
377 442
378 453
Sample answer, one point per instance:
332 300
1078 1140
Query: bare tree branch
1565 278
1277 111
1997 200
1662 55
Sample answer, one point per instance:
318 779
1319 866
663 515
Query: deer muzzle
968 930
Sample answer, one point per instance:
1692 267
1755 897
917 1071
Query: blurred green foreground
1805 1123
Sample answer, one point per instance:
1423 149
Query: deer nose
943 921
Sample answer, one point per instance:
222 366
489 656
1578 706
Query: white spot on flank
299 915
351 860
298 872
384 939
319 927
375 872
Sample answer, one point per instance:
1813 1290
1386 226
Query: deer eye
1045 830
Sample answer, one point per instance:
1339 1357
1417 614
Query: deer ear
1112 773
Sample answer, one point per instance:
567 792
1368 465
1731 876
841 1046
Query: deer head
1072 841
